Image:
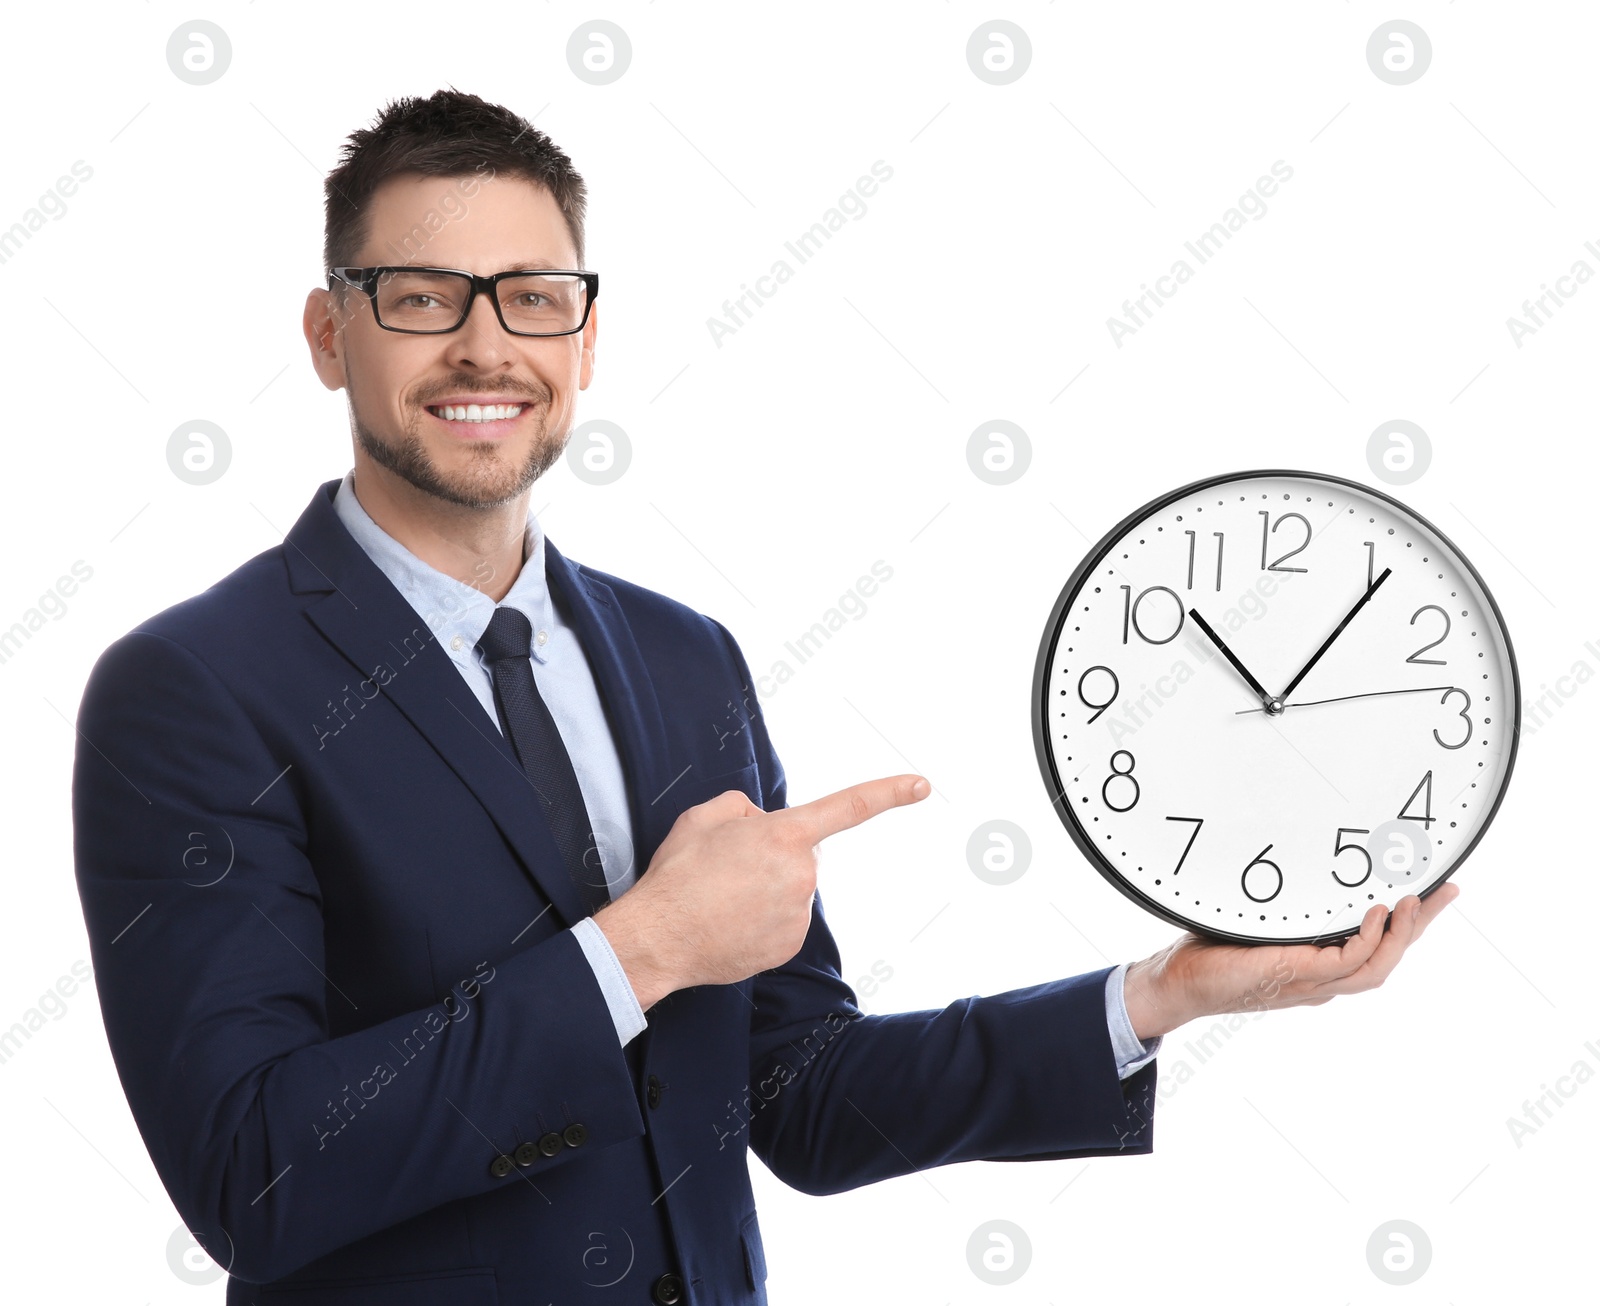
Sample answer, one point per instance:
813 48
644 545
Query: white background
769 473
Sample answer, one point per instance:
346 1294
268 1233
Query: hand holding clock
1193 976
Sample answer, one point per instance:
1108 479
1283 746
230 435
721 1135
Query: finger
850 807
1320 965
1434 904
1385 956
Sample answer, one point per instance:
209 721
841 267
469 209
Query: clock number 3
1465 708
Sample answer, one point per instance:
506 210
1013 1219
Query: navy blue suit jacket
331 942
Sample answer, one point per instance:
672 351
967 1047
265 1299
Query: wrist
637 952
1147 994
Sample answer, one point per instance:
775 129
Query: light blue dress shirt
458 614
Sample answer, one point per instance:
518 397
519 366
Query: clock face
1266 701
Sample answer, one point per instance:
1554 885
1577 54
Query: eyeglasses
433 301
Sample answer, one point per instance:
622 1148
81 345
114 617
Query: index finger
850 807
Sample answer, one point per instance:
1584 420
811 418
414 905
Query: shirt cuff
626 1013
1131 1054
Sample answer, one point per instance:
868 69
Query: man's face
395 382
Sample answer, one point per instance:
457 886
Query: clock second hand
1261 693
1373 693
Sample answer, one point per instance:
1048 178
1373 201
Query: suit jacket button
575 1134
653 1092
550 1144
526 1153
501 1166
667 1290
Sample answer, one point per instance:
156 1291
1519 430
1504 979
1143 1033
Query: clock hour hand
1261 693
1371 693
1337 630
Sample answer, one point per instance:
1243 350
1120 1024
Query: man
454 937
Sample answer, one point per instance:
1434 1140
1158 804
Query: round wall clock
1267 700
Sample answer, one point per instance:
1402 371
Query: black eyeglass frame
366 279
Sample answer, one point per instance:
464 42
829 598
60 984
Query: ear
586 361
323 325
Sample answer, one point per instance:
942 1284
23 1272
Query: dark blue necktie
545 761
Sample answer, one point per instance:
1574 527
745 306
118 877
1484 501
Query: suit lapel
371 623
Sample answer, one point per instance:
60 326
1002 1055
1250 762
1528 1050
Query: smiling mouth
476 412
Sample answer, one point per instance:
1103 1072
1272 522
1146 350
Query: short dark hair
449 134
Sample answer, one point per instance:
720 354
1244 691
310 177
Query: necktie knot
508 635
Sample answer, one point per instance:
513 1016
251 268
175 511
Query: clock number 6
1261 860
1339 846
1465 708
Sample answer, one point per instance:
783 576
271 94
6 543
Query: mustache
539 396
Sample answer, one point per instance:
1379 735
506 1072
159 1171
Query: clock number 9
1465 708
1261 860
1339 846
1116 687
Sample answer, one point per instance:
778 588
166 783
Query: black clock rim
1046 657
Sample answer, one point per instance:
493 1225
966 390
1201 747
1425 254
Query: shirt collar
457 613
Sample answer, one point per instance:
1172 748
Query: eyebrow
528 265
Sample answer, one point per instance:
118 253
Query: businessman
454 935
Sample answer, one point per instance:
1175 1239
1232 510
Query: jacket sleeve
839 1099
277 1143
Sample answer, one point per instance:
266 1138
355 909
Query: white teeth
476 412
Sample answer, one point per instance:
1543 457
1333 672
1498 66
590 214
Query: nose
480 343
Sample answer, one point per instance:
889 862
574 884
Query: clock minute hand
1337 630
1238 666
